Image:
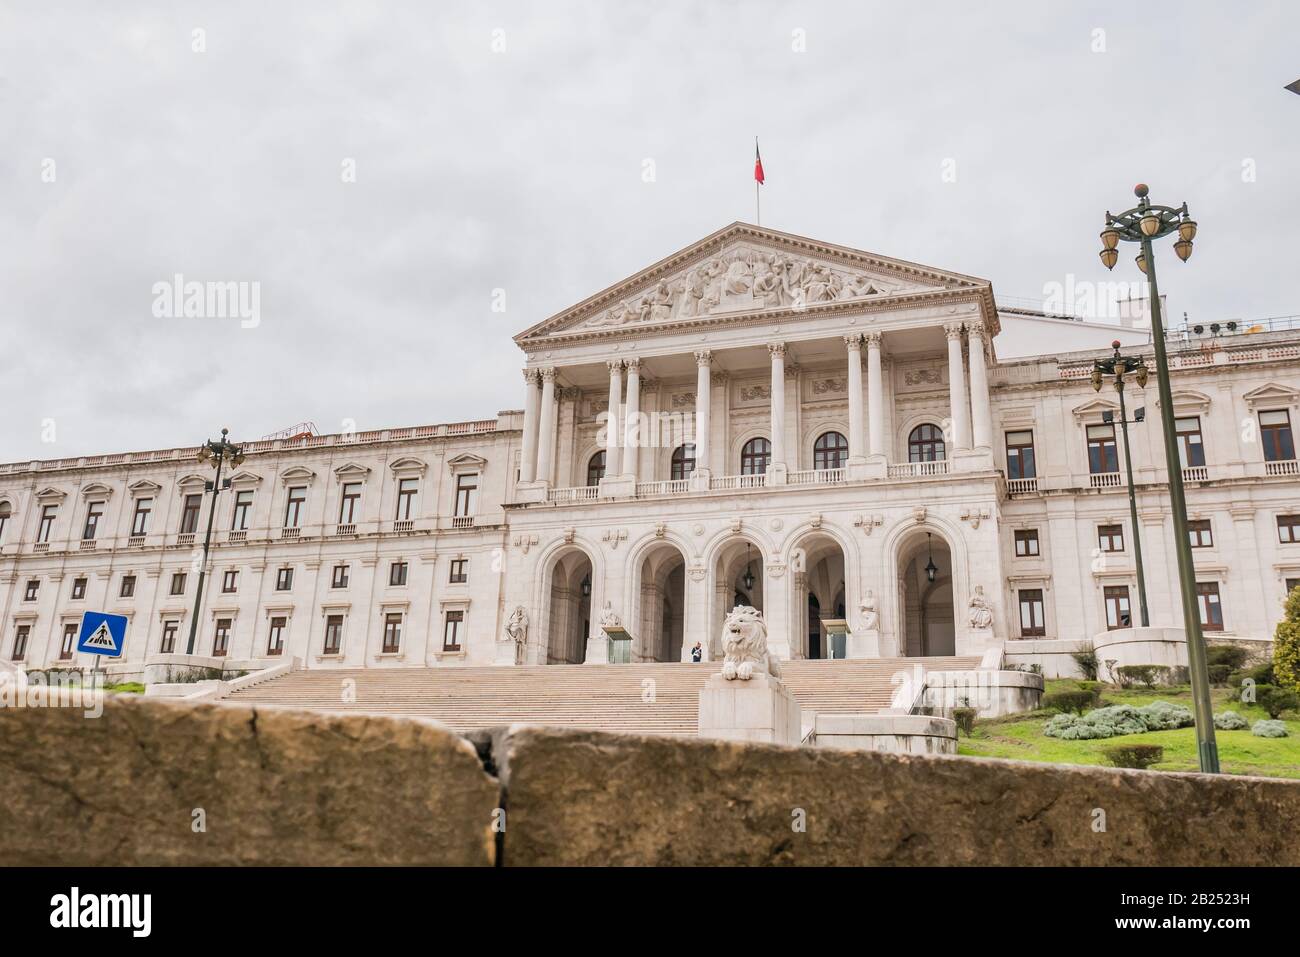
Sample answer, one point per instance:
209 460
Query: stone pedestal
530 492
617 486
975 641
864 643
699 480
760 709
777 474
597 650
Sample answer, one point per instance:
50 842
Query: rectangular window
1199 531
140 523
275 643
284 579
1020 455
243 508
20 642
1291 585
406 489
1117 610
48 514
1110 538
1288 528
94 512
69 641
392 633
466 494
229 581
1275 432
78 589
333 634
459 571
190 514
340 578
221 640
348 504
451 631
1026 543
33 586
178 583
1031 613
168 645
1207 599
397 573
1191 450
128 587
1102 454
293 508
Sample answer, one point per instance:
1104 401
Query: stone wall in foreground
275 786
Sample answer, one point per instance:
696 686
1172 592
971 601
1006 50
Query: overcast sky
128 157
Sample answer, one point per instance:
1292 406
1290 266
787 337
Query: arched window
755 457
830 451
596 468
5 511
683 462
925 444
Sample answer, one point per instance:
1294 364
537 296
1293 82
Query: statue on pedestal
870 617
744 644
517 631
981 615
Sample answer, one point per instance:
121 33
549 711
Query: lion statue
744 644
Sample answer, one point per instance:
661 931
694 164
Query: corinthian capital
703 358
614 365
853 341
531 377
633 364
953 330
975 330
873 340
776 350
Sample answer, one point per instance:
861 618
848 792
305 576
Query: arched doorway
738 580
818 577
927 622
569 608
660 613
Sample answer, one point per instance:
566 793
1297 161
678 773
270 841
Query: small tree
965 719
1140 756
1286 645
1086 659
1276 700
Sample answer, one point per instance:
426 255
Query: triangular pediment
742 270
351 470
1271 393
1093 409
144 487
466 462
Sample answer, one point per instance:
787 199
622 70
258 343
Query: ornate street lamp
1142 224
931 570
1120 366
215 454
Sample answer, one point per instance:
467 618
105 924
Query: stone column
776 473
632 437
546 428
981 416
856 444
703 402
875 397
614 421
528 455
957 389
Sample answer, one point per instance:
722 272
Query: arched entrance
927 623
738 580
568 608
817 566
660 612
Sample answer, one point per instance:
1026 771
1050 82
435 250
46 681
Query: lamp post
1142 224
1119 366
215 454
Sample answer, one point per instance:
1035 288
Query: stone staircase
590 697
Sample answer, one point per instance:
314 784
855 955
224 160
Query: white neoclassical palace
824 434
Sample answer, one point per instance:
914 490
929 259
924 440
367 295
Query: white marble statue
517 626
739 278
981 615
870 618
744 645
609 618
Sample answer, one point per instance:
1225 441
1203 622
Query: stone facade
848 423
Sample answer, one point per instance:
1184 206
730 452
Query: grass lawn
1021 736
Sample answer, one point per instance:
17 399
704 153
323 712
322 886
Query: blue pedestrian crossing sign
102 634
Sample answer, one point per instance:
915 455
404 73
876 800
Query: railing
404 525
87 544
817 476
1022 486
41 547
670 487
580 493
135 541
185 538
290 531
1282 467
918 469
462 521
1105 480
729 482
1196 473
345 528
238 535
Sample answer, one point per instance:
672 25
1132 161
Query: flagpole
758 204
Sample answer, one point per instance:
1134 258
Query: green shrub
1268 729
1276 700
1219 675
1234 656
1145 675
190 674
1230 721
1075 701
1286 645
126 687
1086 659
1260 674
1140 756
1118 720
965 718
